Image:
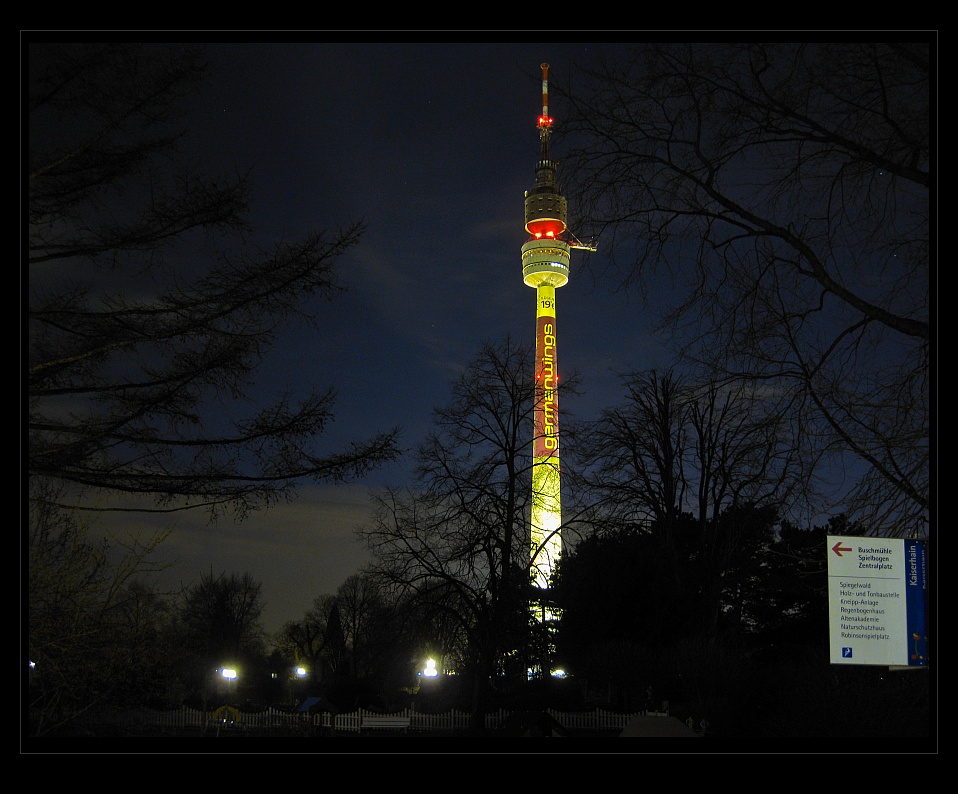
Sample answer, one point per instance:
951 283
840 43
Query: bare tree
347 634
361 602
92 626
690 466
633 457
786 188
317 639
220 616
151 305
458 545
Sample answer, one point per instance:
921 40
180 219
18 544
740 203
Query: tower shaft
546 510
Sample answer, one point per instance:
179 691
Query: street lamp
230 675
299 672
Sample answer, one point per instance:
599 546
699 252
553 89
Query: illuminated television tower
545 266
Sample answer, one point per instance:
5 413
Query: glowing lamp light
229 674
300 671
545 228
430 671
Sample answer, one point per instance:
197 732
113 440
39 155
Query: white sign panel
876 600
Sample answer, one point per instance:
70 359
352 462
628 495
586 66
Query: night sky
432 145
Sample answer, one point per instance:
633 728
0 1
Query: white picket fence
597 719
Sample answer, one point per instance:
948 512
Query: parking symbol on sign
846 653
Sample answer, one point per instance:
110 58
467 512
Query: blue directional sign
916 599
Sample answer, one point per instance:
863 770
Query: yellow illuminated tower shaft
545 266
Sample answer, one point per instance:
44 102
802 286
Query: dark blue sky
433 145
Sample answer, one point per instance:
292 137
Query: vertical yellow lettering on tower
546 511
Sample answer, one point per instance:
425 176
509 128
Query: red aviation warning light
545 120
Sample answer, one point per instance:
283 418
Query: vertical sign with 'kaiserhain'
877 601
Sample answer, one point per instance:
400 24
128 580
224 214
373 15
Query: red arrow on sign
838 548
